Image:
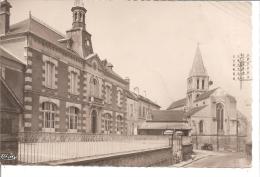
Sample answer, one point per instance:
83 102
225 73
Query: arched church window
220 116
198 83
201 126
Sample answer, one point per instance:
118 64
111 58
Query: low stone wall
147 158
221 142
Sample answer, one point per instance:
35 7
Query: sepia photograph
126 83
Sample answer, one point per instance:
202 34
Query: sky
154 42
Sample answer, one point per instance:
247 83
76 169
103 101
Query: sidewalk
198 154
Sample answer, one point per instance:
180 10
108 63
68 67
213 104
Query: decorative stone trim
27 87
28 71
69 104
27 99
28 79
119 114
27 124
28 107
108 84
107 111
47 99
27 116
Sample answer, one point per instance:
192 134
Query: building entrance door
94 121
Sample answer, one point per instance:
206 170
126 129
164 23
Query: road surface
222 160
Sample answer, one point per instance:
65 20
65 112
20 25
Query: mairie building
52 82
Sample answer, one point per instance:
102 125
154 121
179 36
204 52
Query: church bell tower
198 80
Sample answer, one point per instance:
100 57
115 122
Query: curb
190 161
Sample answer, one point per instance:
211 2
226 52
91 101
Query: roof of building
148 101
164 126
131 95
44 31
177 104
205 95
6 54
10 91
40 29
232 98
168 116
194 110
198 68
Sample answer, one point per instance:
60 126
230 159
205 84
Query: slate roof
178 103
9 90
205 95
194 110
131 95
6 54
168 116
41 30
44 31
198 68
148 100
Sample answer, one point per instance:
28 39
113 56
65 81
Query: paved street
220 160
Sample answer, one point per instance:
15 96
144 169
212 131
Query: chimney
136 90
110 66
128 81
4 16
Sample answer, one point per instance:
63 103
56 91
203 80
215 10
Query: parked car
207 146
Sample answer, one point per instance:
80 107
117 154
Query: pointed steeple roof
198 68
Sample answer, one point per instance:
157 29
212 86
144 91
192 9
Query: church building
212 112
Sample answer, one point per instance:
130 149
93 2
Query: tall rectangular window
131 110
49 74
198 83
73 82
108 94
203 84
119 95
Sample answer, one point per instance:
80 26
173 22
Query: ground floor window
119 124
73 118
107 123
49 111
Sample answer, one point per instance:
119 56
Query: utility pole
241 68
217 134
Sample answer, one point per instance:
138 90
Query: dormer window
94 65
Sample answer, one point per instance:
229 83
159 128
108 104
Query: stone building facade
139 110
66 87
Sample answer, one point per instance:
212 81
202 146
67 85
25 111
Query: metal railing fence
42 147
